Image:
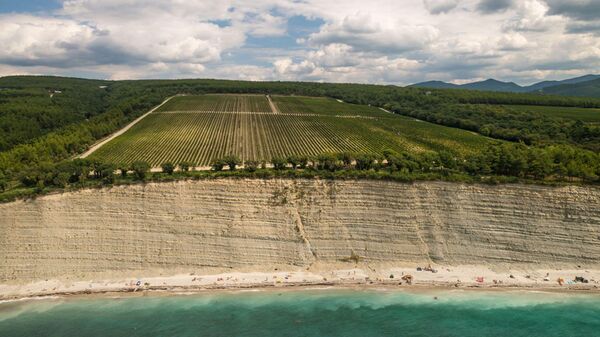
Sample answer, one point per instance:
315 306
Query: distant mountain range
588 85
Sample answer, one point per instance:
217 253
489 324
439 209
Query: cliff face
236 223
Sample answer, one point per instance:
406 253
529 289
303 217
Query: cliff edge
234 223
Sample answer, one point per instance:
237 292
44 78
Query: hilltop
578 86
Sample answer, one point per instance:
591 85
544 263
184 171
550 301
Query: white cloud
378 41
364 33
440 6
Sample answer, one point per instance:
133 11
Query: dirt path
121 131
273 106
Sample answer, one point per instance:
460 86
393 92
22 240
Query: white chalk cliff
244 222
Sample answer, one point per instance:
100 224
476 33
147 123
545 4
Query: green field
582 114
218 103
323 106
200 136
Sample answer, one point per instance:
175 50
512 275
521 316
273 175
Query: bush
218 164
347 158
302 162
294 161
232 161
123 168
251 165
106 172
185 166
140 169
168 167
365 161
3 182
279 163
327 162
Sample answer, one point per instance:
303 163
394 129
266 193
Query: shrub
365 161
218 164
302 161
232 161
293 160
279 163
185 166
327 162
251 165
347 158
106 172
168 167
62 179
140 169
123 168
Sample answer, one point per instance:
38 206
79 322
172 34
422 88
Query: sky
376 41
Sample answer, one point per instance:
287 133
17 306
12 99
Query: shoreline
350 279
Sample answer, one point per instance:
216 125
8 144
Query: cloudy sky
376 41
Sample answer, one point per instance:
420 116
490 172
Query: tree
123 168
302 161
293 160
218 164
167 167
140 169
347 158
3 182
232 161
106 172
62 179
327 162
364 161
185 166
279 163
251 165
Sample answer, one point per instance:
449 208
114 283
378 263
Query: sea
312 312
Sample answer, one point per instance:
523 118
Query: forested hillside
31 107
588 89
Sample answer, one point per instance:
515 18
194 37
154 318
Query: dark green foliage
302 162
123 169
327 162
279 163
347 158
251 165
185 166
294 161
140 169
3 182
168 167
365 161
232 161
218 164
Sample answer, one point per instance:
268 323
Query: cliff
240 223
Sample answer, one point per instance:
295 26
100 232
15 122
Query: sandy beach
361 275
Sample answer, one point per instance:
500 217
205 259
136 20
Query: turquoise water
309 313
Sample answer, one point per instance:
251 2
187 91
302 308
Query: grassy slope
201 137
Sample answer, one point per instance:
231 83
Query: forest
40 132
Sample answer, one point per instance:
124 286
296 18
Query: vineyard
218 103
583 114
199 136
323 106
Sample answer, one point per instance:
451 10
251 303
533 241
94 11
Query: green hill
583 89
